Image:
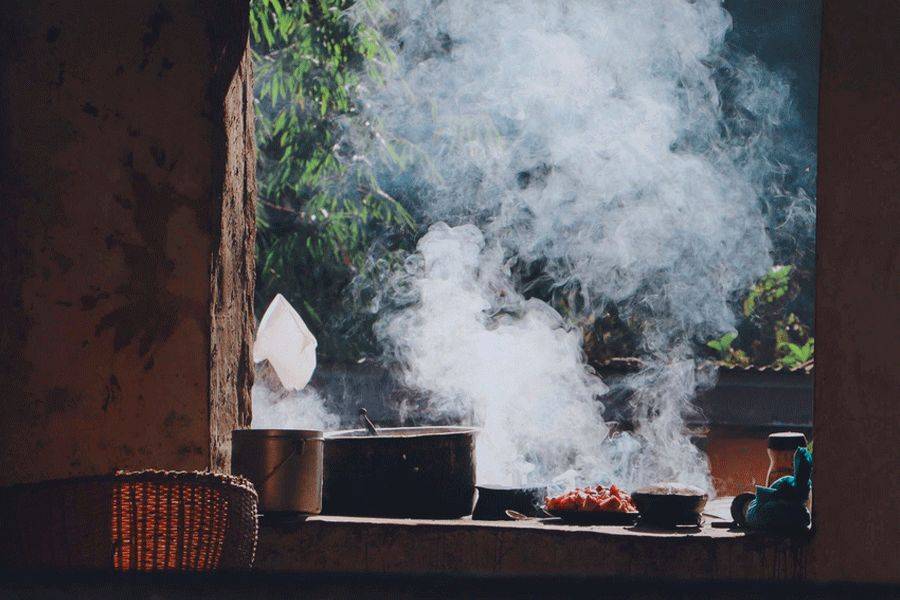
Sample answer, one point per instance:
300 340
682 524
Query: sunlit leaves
318 209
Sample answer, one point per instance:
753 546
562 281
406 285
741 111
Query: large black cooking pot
422 472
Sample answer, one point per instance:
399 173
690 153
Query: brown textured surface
856 415
233 269
737 460
113 157
402 546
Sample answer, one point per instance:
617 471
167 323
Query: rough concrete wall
113 157
856 413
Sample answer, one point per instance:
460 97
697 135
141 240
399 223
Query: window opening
586 229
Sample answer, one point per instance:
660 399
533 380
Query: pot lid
304 434
401 432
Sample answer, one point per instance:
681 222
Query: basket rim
193 477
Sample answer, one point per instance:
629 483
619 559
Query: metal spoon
517 516
367 422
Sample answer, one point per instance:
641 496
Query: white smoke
303 409
587 137
491 357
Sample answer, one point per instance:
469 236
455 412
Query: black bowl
670 505
494 500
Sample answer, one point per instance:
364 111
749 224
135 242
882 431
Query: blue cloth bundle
782 506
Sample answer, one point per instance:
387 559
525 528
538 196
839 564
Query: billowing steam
488 355
303 409
589 138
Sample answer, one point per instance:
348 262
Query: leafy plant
773 286
723 344
796 355
726 352
770 334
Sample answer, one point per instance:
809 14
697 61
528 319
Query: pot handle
298 449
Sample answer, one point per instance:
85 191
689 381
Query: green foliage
770 288
320 206
723 344
772 334
726 352
796 355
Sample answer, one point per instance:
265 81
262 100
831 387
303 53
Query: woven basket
131 521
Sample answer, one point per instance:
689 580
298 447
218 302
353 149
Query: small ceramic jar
781 449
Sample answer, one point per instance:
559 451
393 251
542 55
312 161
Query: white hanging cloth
286 342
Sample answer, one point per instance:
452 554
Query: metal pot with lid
424 472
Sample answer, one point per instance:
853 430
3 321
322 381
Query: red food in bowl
592 499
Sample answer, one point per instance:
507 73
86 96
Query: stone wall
126 235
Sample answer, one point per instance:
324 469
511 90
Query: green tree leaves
319 208
770 288
772 333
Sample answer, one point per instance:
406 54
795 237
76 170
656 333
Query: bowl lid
786 440
671 488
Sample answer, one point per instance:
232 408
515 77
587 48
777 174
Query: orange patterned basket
131 521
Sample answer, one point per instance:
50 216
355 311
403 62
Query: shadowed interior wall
855 413
127 235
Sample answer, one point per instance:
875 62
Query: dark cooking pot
494 500
670 504
424 472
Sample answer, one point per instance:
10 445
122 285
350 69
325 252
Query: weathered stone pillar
127 232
